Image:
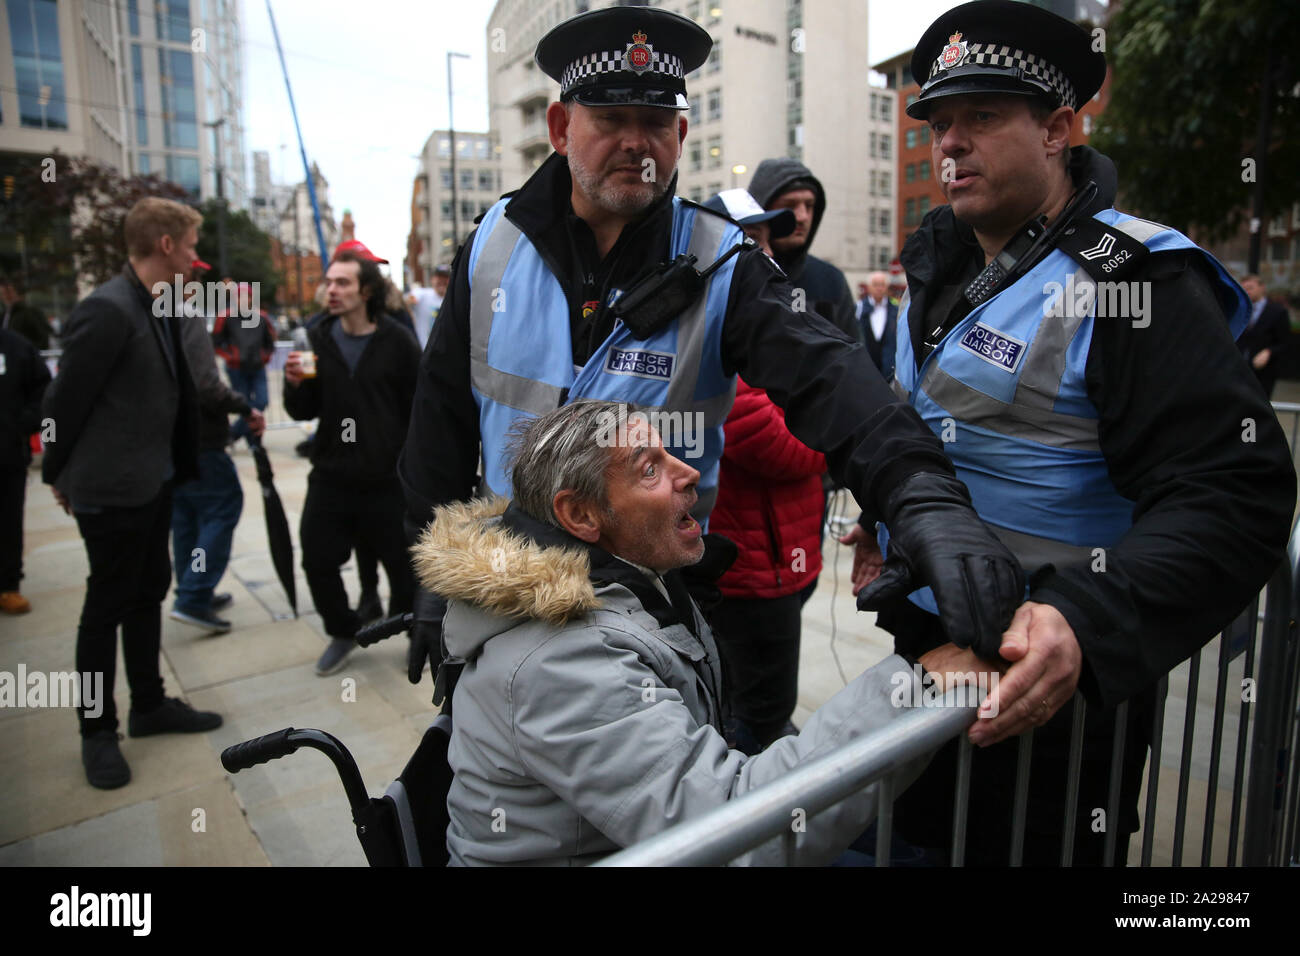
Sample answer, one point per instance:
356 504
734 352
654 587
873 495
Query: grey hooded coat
587 715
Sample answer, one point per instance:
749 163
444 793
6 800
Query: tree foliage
1185 107
248 249
69 212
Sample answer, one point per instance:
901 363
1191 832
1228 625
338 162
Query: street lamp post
451 138
216 125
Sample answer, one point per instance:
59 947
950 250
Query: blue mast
311 184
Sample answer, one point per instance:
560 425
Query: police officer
1095 405
528 324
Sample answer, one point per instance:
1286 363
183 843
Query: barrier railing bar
1288 769
1243 726
961 800
1259 840
1024 756
1072 780
752 819
1216 743
1185 761
1116 777
1153 771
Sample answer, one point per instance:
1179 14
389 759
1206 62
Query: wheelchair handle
258 750
376 632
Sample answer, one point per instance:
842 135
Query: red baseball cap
200 264
359 247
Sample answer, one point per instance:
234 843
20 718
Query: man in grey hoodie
789 184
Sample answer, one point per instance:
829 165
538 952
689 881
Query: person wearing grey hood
789 184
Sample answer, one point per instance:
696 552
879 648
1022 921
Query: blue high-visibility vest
1005 391
521 355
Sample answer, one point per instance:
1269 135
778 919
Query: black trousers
13 496
130 571
758 639
923 814
335 520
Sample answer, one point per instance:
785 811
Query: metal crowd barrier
1260 811
1265 794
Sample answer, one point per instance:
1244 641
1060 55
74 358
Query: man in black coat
124 431
361 391
23 378
1267 338
878 318
789 184
20 317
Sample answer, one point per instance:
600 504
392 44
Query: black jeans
13 495
130 571
335 519
758 639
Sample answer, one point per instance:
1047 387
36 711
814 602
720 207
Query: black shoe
206 620
335 656
369 608
102 758
173 717
220 601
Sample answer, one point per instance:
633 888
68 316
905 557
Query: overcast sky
370 83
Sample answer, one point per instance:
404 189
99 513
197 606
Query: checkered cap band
592 64
1000 55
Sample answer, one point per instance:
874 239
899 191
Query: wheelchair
407 826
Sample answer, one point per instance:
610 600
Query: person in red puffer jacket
770 504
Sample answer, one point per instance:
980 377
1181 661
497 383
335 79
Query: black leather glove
936 539
426 635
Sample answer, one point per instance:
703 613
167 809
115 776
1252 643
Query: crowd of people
613 616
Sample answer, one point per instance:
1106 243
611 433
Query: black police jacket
1188 436
834 398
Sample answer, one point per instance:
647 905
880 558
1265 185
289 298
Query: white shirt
879 315
427 303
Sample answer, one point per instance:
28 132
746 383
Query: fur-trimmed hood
499 568
469 554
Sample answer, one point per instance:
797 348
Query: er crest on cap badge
638 53
953 53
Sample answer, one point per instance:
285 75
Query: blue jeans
251 383
204 514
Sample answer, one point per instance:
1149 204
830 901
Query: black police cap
1005 46
624 56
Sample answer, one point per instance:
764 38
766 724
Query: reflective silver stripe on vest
1139 229
692 326
518 392
1040 379
973 407
897 386
1033 552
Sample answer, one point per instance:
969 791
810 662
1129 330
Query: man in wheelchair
587 714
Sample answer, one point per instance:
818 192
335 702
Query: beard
629 200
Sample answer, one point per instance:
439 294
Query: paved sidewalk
182 808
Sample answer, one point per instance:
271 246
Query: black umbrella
277 525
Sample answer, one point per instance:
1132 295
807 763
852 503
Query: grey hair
569 448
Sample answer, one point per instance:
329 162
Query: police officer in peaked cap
538 314
1081 362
